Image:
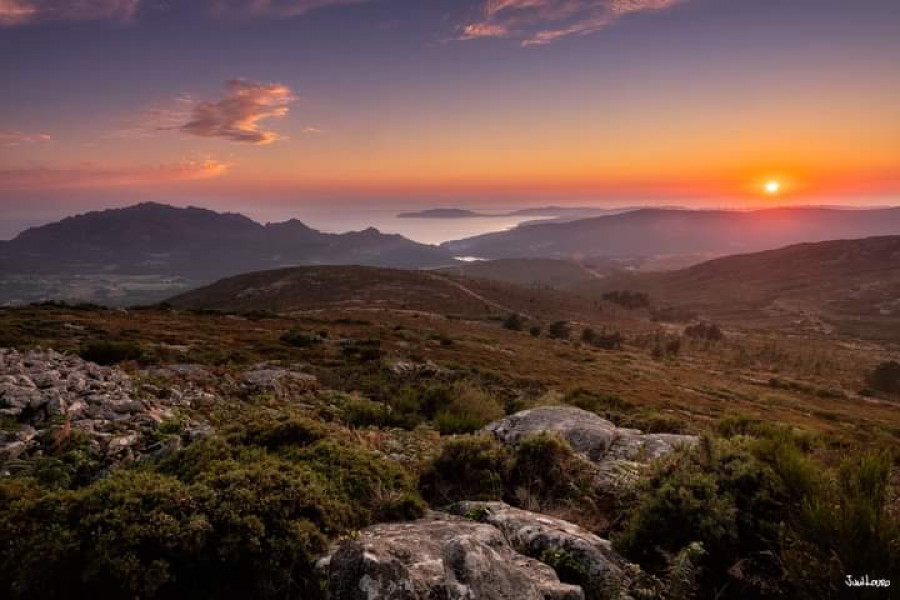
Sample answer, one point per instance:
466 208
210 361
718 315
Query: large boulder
604 573
616 452
439 557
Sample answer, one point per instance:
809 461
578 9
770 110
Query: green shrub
720 495
107 352
886 377
704 331
847 530
468 468
559 330
548 473
242 513
469 409
628 299
300 339
514 322
608 340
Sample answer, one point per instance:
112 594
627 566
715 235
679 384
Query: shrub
468 468
542 472
300 339
628 299
547 473
704 331
609 340
559 330
720 495
242 513
111 352
848 530
514 322
470 409
588 335
609 406
886 377
535 331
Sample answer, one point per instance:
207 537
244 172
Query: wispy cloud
535 22
237 116
18 138
276 8
91 175
22 12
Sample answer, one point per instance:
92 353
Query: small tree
559 330
514 322
886 377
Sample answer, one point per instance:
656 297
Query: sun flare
772 187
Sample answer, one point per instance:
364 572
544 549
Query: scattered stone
51 396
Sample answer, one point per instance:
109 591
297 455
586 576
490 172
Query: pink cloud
537 22
18 138
276 8
237 116
98 176
22 12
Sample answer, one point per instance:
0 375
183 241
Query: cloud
18 138
96 176
536 22
236 117
276 8
23 12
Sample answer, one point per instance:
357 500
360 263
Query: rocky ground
467 551
47 397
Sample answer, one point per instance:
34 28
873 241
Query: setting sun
772 187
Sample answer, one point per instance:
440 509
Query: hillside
656 232
525 271
848 286
368 288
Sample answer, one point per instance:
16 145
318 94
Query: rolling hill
302 289
847 286
664 232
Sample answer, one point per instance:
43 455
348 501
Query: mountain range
661 232
152 238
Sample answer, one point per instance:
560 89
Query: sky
283 107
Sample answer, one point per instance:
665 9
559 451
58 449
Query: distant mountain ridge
198 243
654 232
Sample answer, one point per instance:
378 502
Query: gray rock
617 453
439 557
41 389
282 383
533 534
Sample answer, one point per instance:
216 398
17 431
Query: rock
616 452
43 390
412 369
439 557
282 383
533 534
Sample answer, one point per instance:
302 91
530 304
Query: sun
772 187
